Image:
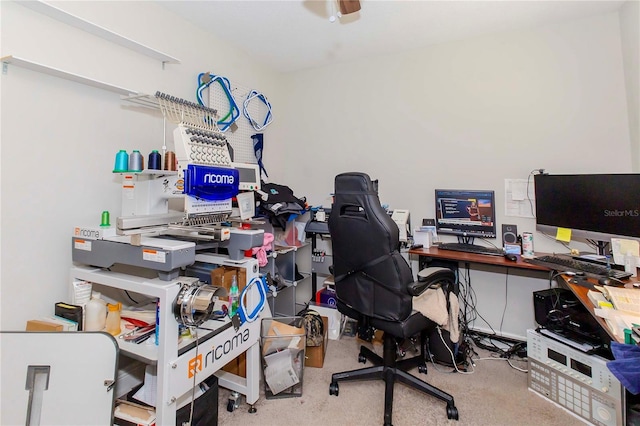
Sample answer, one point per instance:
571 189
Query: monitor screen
467 213
249 175
593 206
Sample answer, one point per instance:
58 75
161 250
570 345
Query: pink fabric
261 252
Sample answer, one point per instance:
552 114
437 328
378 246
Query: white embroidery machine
170 220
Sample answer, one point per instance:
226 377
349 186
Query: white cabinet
178 363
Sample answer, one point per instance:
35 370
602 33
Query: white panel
81 368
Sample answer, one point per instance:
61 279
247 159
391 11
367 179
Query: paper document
279 372
616 320
147 393
519 197
621 247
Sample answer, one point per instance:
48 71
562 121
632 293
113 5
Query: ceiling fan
345 7
348 6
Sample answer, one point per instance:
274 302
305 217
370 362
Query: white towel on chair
432 303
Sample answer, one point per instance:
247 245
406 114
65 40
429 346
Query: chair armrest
430 278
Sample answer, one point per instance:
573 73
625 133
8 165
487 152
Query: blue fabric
626 366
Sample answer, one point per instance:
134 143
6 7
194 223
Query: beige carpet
495 394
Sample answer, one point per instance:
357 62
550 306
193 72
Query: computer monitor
466 213
595 207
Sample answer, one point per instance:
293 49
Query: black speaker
509 234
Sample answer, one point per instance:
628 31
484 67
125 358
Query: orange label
195 365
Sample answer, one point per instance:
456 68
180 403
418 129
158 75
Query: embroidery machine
170 220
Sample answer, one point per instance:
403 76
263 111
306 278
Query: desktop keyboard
568 264
471 248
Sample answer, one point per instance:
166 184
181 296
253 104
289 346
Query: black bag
205 409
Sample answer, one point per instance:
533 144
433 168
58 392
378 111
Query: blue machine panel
211 183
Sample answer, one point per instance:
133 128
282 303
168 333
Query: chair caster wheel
231 406
334 389
362 359
422 369
452 412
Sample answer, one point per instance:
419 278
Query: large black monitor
466 213
594 207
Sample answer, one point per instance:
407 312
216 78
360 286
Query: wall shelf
34 66
75 21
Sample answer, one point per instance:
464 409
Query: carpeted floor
494 394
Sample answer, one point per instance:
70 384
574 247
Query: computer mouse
604 281
511 256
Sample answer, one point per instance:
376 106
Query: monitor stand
466 240
601 245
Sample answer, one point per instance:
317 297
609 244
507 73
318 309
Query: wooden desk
562 280
581 293
460 256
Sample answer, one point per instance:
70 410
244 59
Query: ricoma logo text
217 352
215 178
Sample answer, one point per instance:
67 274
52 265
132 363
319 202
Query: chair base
390 370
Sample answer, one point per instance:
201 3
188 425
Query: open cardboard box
314 356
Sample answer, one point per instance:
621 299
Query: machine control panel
580 383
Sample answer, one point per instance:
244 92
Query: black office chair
375 286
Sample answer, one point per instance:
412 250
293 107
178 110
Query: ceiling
291 35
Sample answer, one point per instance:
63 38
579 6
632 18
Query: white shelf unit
294 293
97 30
45 69
177 362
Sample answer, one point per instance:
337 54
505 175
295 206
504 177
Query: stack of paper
626 309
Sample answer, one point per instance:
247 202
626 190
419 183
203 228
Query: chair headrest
355 182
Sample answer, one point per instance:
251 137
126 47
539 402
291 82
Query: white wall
630 38
466 114
59 138
463 114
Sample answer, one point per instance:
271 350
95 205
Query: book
623 299
67 325
597 298
70 312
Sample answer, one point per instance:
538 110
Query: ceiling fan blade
349 6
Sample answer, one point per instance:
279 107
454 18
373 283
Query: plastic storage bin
282 345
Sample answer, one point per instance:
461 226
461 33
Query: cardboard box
314 356
237 366
336 319
131 414
223 275
38 325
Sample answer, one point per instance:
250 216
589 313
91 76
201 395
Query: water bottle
234 296
96 313
113 318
